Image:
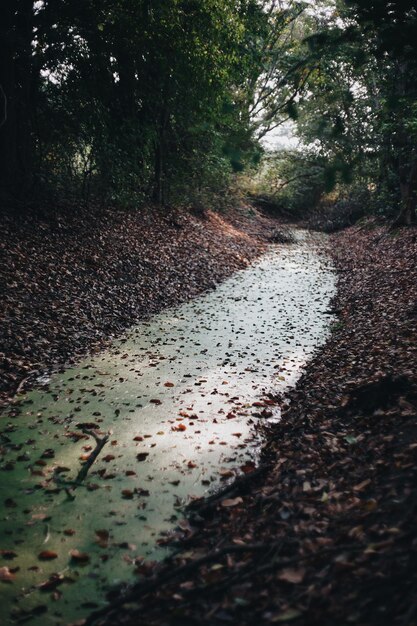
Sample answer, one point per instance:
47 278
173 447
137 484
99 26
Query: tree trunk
158 188
407 214
25 101
158 195
8 138
16 150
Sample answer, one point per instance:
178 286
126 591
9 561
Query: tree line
356 113
134 99
166 100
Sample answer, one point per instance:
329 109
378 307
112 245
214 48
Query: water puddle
178 398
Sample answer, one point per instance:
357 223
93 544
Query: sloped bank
326 533
71 279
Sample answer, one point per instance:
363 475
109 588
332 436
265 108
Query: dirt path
328 534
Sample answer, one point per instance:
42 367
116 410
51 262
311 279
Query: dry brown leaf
6 575
292 575
47 555
79 557
230 502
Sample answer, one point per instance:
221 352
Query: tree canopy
137 98
357 109
165 100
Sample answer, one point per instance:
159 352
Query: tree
17 92
357 108
130 99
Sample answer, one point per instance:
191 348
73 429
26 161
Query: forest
208 347
166 101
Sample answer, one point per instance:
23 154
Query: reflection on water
176 397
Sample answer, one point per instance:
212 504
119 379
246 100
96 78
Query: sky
281 138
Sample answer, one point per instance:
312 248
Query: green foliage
168 99
139 100
292 181
360 110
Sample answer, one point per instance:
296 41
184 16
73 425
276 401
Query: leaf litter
327 533
92 400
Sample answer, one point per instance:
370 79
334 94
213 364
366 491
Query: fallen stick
23 382
100 443
71 485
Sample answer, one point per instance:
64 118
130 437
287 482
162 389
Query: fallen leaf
226 473
361 486
286 616
230 502
79 557
102 538
102 534
47 555
293 576
248 467
180 427
8 554
6 575
52 583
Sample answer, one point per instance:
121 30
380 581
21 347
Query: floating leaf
6 575
8 554
179 428
79 557
47 555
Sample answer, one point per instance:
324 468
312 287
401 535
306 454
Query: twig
24 380
71 485
100 443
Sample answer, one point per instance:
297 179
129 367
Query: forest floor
72 280
325 533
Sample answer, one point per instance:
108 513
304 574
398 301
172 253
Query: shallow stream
180 397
